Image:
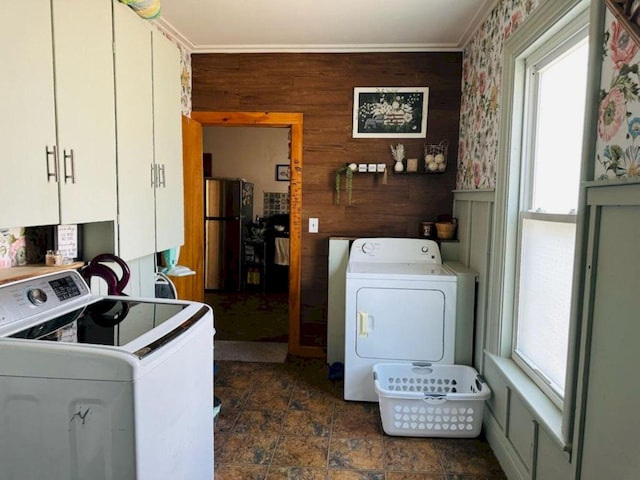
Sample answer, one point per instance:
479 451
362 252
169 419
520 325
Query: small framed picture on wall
283 173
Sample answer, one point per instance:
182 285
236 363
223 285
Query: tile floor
289 421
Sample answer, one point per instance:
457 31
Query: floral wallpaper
185 75
13 251
481 72
617 147
618 144
185 80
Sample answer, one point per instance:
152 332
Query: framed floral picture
392 112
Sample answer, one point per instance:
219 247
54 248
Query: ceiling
239 26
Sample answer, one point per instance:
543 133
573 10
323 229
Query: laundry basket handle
421 368
435 398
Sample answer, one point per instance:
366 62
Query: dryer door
400 324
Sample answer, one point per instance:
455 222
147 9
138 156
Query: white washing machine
103 388
400 307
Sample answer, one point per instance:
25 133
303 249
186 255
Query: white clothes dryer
400 307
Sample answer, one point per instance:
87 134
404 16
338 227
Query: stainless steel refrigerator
228 214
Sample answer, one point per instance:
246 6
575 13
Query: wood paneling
320 86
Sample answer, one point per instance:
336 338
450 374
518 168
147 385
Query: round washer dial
37 296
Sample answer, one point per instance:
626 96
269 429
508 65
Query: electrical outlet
313 225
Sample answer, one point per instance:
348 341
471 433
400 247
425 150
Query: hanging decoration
347 170
147 9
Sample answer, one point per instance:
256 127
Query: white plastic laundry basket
425 400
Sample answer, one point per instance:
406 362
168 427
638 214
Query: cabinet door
168 143
27 195
136 229
83 61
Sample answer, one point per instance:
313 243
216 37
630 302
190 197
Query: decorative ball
441 167
432 167
429 159
439 158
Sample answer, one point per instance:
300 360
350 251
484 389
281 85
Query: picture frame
390 112
283 172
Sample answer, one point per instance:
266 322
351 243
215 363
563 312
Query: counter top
14 274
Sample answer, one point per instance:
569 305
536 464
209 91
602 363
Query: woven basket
446 230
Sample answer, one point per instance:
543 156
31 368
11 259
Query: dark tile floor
289 421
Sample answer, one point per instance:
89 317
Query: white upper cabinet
167 124
134 102
85 111
149 133
28 195
68 68
66 175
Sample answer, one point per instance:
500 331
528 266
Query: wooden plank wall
320 86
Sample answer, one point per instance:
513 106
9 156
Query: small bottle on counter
53 258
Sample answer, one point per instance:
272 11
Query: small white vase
398 167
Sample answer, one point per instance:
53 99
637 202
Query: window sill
539 405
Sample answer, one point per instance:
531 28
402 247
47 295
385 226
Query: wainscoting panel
474 211
611 420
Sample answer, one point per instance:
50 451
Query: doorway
294 121
247 277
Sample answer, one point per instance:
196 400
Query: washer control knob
367 248
37 296
425 249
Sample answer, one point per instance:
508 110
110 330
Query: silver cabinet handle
153 176
53 152
163 178
69 156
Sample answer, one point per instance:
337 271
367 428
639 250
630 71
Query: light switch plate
313 225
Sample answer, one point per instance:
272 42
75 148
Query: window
554 94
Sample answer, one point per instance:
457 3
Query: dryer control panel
395 250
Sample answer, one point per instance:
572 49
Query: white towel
281 255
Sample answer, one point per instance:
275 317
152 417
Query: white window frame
547 20
548 52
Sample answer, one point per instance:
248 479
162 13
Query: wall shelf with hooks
348 170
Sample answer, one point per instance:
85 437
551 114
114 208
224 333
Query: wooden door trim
294 121
191 287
